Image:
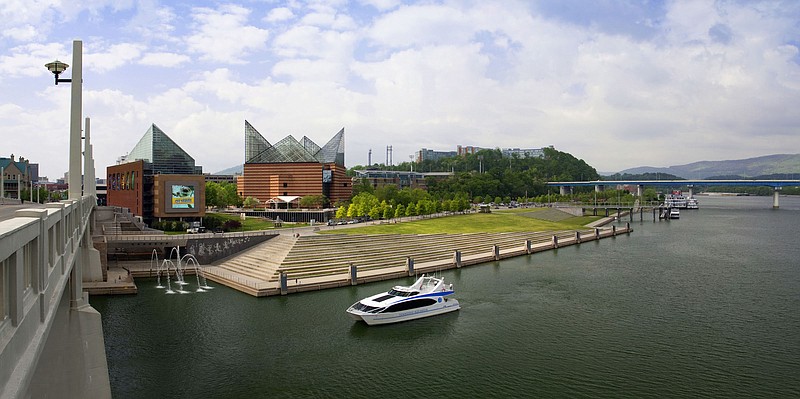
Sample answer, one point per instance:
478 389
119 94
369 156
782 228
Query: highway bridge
566 186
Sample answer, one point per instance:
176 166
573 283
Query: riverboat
674 213
691 203
428 296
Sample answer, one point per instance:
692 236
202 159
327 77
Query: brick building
293 168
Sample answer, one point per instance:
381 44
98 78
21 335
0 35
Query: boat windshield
366 308
402 293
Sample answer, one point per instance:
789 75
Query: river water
704 306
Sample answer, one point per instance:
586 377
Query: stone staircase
260 262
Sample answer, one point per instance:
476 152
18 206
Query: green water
704 306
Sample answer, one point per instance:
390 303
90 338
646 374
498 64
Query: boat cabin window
365 308
402 293
412 304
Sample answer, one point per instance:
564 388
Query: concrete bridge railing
44 315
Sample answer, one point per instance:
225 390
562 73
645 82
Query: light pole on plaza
57 67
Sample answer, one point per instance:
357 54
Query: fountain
179 267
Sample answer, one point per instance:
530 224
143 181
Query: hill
233 170
749 168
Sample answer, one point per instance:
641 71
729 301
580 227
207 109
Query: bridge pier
775 201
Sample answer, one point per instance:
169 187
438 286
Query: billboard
182 197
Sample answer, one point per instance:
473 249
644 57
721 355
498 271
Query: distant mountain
748 168
233 170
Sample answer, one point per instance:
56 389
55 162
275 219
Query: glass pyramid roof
288 150
165 156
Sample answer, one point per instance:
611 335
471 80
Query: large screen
182 196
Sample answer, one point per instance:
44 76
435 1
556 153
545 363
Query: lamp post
57 67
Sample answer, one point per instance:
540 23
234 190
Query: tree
388 212
341 213
400 211
251 202
313 201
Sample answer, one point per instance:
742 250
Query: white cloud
279 14
169 60
719 75
223 35
113 57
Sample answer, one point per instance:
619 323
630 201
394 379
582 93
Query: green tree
341 213
400 211
251 202
388 212
313 201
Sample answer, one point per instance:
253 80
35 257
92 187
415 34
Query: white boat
428 296
691 203
675 200
674 213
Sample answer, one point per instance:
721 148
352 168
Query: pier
288 264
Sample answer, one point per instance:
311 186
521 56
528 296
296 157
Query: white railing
39 248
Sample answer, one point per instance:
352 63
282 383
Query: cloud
279 14
222 35
169 60
29 59
113 57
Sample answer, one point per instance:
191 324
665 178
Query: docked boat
428 296
676 199
691 203
674 213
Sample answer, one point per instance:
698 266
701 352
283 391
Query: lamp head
56 67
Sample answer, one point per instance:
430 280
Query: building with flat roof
432 155
293 168
399 178
158 180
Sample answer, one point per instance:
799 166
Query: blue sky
617 83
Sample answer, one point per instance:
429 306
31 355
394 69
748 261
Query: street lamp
57 67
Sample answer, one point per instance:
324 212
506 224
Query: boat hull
449 305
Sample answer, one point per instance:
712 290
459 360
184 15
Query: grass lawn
495 222
254 223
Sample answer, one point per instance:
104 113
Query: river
704 306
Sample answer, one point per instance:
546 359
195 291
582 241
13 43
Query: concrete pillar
284 284
528 246
596 233
599 188
578 237
606 212
353 274
775 201
89 184
457 258
555 241
409 265
75 174
496 251
639 189
691 191
564 190
613 230
628 228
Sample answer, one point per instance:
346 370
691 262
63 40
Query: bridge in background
777 185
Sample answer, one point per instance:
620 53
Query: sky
619 84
